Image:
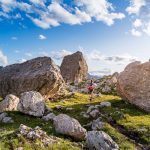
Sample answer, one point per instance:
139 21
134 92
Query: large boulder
39 74
32 103
10 103
74 68
99 140
134 84
66 125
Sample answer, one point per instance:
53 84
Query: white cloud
24 7
62 15
17 51
14 38
43 53
28 54
37 2
40 23
3 58
99 9
42 37
137 23
58 55
95 55
123 59
147 29
140 10
136 33
135 6
83 16
22 60
3 14
58 12
7 5
101 72
17 16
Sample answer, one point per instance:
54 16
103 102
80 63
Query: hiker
91 89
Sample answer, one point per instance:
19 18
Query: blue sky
110 33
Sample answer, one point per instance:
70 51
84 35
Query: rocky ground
104 85
123 126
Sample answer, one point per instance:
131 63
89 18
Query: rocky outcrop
74 68
32 103
10 103
39 74
99 140
134 85
36 134
103 85
107 84
69 126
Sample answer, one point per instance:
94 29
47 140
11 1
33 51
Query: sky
110 33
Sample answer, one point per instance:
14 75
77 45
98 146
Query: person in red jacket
91 89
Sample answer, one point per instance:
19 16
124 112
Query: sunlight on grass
126 115
81 99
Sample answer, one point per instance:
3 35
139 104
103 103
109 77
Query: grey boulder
10 103
99 140
134 85
38 74
66 125
32 103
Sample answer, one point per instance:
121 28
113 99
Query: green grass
9 140
126 115
121 140
131 118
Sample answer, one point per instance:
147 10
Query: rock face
32 103
10 103
74 68
99 140
39 74
134 85
69 126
